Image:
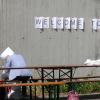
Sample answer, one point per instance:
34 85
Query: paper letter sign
59 23
53 22
74 23
67 23
81 23
45 22
94 24
38 22
98 23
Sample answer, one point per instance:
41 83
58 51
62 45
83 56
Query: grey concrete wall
49 47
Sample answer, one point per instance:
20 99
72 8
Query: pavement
90 97
81 97
64 97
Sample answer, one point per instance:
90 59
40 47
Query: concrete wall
49 47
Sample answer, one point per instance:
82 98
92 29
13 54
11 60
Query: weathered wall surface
49 47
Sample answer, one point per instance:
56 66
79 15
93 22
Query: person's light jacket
17 61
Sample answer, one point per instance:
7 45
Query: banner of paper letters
67 23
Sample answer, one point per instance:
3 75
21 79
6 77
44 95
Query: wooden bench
33 84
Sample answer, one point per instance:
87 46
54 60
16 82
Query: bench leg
24 92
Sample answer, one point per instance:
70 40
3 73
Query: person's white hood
89 62
6 52
92 62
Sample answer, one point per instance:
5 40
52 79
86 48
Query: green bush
64 88
88 87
